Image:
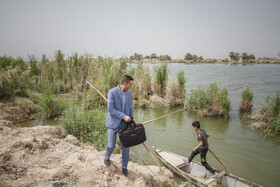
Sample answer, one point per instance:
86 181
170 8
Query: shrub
210 101
274 126
247 98
272 106
51 107
86 125
15 82
177 89
181 78
161 78
142 82
270 114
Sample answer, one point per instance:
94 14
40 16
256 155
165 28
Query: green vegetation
51 106
46 86
161 79
210 101
136 57
247 100
181 79
235 56
193 58
86 125
270 113
14 77
142 88
177 90
139 58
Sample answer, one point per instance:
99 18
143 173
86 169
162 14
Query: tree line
233 57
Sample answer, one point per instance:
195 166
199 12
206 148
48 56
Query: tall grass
177 90
161 76
272 106
210 101
86 125
51 106
247 98
181 78
142 87
15 82
270 114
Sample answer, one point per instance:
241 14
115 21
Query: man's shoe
124 171
186 161
107 163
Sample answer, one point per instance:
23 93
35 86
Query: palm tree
244 56
231 55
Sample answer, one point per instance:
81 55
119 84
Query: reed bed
210 101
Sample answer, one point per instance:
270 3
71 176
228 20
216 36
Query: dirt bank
41 156
16 114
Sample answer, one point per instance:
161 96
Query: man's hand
194 149
127 119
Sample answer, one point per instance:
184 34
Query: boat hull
197 174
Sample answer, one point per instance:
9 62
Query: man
201 148
120 111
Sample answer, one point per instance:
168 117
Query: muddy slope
41 156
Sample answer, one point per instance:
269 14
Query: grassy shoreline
49 87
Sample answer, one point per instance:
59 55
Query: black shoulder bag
132 134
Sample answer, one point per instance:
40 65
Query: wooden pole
142 143
163 116
157 164
216 157
97 91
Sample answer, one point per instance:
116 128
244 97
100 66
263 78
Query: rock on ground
42 156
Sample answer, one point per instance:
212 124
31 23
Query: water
246 152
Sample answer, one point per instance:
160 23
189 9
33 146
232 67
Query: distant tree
244 56
147 57
154 56
231 55
200 58
136 56
236 56
188 56
164 57
251 56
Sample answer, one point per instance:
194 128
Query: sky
120 28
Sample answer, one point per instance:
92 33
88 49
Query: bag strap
127 125
133 122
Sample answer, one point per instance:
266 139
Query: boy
201 148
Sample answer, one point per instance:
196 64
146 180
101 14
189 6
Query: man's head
196 125
126 82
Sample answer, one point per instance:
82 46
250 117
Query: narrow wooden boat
197 174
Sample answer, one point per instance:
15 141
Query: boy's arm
207 135
200 143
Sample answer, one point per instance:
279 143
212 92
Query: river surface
247 153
